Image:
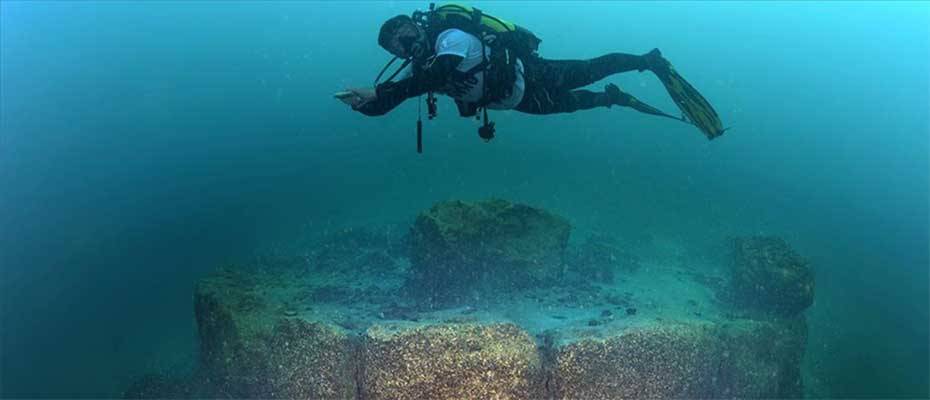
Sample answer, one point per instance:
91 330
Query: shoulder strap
401 68
476 15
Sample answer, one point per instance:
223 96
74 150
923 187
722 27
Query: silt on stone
450 361
659 361
735 359
459 250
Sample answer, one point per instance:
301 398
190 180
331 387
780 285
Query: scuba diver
483 63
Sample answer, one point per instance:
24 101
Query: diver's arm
391 94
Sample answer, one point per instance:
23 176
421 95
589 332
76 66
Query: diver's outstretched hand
357 97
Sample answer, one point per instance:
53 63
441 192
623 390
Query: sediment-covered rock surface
450 361
340 322
739 358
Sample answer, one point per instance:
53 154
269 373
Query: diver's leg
541 100
572 74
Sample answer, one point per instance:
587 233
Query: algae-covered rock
249 349
450 361
736 359
768 276
657 361
459 248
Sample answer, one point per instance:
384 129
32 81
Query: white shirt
467 46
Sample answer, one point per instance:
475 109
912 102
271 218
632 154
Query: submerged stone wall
450 361
246 354
327 328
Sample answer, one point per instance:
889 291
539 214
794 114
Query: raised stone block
459 250
450 361
761 359
740 358
656 361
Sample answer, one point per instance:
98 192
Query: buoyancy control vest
498 32
507 42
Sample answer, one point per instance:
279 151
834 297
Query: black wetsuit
551 85
441 73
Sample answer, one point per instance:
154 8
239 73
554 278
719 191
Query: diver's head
403 38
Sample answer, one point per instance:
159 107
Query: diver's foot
653 60
617 96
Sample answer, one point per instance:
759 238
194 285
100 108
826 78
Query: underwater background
144 144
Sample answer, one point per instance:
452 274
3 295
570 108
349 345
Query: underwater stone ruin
519 313
463 250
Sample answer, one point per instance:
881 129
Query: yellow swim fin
695 108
